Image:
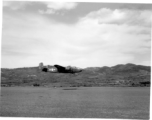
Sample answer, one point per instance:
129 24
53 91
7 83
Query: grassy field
82 102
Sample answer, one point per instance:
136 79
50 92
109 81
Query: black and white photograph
62 59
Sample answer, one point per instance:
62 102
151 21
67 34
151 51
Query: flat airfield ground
81 102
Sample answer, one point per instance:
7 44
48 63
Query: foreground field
82 102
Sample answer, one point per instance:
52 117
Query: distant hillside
119 75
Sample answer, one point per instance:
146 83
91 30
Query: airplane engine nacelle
52 69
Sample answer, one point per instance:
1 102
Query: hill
119 75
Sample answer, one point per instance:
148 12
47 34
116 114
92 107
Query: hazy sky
77 34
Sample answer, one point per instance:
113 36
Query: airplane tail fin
41 66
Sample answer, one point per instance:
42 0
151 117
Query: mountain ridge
118 75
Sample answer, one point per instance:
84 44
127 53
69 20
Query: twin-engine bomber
59 69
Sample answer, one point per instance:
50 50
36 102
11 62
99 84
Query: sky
82 34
